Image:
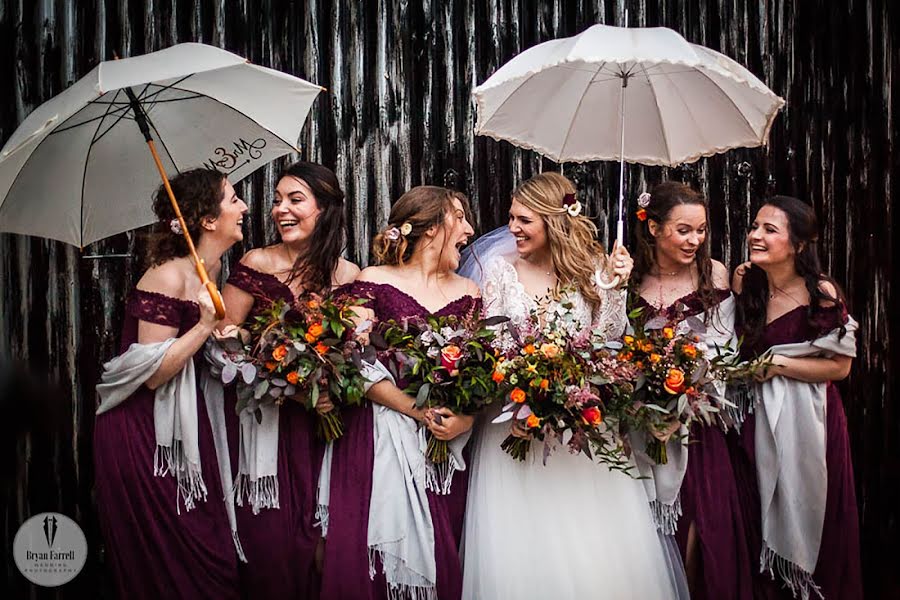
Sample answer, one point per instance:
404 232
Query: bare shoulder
737 281
259 259
379 274
345 272
169 279
719 275
829 289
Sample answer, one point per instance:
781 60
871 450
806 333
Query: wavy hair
315 268
422 207
574 249
803 232
199 193
664 197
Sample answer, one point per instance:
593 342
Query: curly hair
422 207
664 197
315 268
574 249
803 232
199 193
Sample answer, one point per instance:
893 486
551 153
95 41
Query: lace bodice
264 287
388 302
503 294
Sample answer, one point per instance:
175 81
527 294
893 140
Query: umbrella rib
722 92
91 120
662 123
87 159
578 108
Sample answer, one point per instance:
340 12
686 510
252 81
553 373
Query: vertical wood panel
397 112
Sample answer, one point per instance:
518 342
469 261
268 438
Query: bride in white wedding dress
571 529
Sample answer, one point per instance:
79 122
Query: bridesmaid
418 254
165 541
308 212
785 300
675 277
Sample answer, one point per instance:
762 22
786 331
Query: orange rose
592 415
550 350
528 349
450 356
625 356
517 395
655 358
689 350
271 366
639 364
628 339
498 377
668 333
321 348
279 352
674 381
315 329
532 421
312 304
545 383
646 346
293 377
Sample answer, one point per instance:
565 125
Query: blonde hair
574 249
419 209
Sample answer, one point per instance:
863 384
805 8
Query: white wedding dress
572 529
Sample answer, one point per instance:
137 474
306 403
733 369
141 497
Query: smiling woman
278 535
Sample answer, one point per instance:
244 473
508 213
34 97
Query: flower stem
516 447
438 451
330 426
656 450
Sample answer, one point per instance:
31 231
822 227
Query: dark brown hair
664 197
199 193
315 268
803 232
422 207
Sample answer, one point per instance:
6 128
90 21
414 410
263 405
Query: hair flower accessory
175 226
572 206
644 200
392 234
406 228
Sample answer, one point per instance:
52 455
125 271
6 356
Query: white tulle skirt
569 530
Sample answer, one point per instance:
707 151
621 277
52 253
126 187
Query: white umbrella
628 94
78 168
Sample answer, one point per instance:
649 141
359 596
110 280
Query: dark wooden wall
397 113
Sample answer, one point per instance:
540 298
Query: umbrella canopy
77 169
566 100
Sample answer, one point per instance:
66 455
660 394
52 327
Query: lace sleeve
153 307
364 291
495 287
611 317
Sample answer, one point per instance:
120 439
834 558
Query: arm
184 348
239 304
811 370
389 395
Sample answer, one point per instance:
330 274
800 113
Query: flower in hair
641 214
406 228
572 206
392 234
175 226
644 200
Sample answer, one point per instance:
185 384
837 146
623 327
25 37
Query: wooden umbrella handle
198 262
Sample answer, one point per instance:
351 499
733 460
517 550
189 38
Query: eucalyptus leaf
229 372
503 417
248 372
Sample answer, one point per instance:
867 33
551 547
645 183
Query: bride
572 528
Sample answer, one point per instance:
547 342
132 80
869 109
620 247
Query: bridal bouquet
553 388
443 361
296 351
662 366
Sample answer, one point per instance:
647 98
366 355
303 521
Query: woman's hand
517 429
772 369
665 433
207 309
445 425
324 405
621 262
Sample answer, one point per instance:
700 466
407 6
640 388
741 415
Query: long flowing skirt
838 572
153 551
570 529
346 567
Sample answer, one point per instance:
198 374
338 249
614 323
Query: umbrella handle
620 233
